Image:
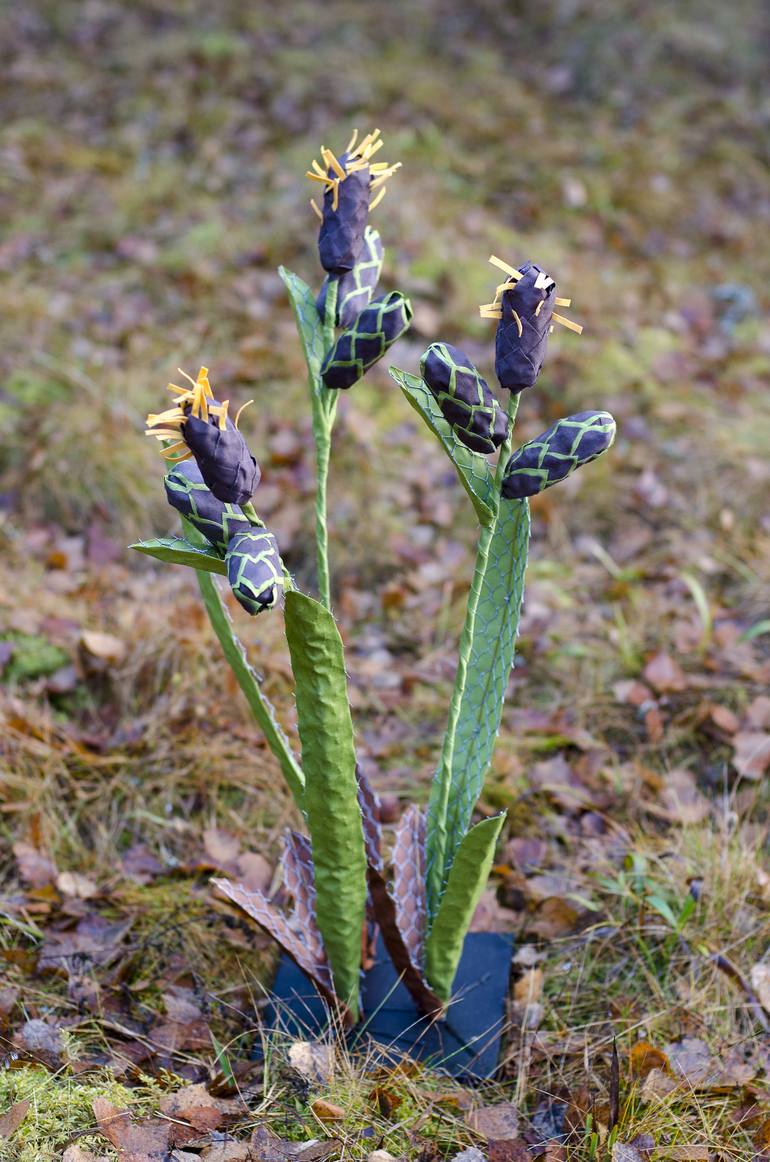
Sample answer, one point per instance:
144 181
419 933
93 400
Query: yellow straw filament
358 156
494 309
190 401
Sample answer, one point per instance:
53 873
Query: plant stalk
235 655
325 409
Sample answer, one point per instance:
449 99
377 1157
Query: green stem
325 411
235 655
323 453
441 787
263 712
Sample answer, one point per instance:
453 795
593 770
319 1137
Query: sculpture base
466 1044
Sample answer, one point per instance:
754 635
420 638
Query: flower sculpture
340 881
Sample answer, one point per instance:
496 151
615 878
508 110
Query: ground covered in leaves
151 179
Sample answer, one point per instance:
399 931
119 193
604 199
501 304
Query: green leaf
664 909
317 337
492 649
179 551
309 323
466 882
331 791
473 470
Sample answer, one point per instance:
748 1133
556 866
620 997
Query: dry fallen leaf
529 987
12 1118
326 1111
77 885
760 982
657 1084
227 1152
313 1059
758 713
681 799
644 1057
692 1060
555 917
195 1105
636 1151
42 1042
496 1122
104 647
510 1150
35 868
664 674
77 1153
751 757
147 1139
386 1101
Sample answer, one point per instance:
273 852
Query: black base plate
466 1044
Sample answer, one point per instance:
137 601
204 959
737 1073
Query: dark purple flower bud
254 570
187 492
565 446
226 464
522 333
348 183
345 214
373 332
464 398
355 289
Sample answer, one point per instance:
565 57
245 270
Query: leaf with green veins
492 650
309 324
178 551
472 468
465 884
331 789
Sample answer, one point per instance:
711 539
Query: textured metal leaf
473 470
408 861
467 878
309 325
384 907
369 803
331 790
256 905
490 659
178 551
298 875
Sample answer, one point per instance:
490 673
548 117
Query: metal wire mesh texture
490 661
487 645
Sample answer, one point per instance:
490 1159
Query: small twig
728 968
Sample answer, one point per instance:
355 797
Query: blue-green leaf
473 470
179 551
317 337
331 790
309 324
466 882
493 645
